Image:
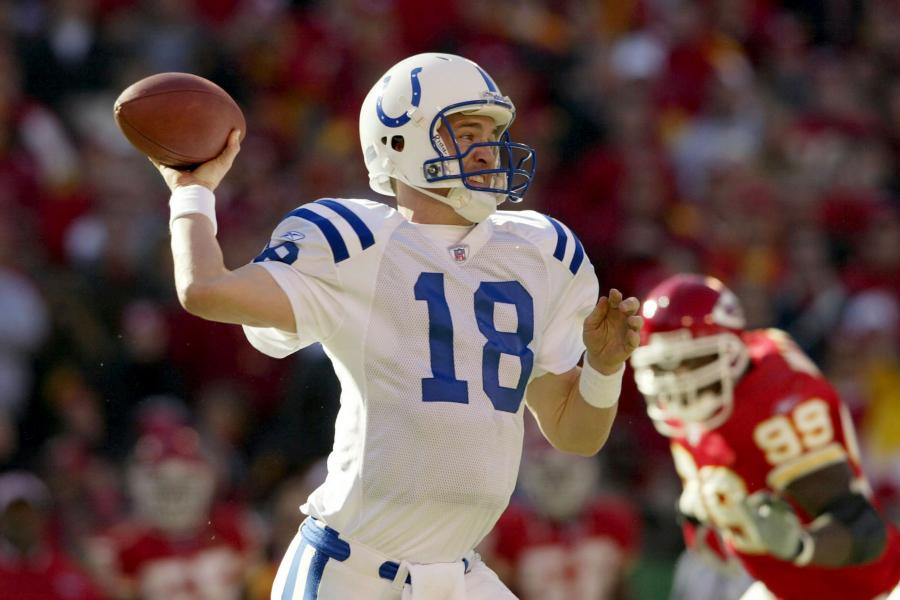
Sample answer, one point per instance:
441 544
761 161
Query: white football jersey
433 346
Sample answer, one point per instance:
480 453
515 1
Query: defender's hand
210 173
777 524
612 332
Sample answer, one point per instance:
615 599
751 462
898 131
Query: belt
358 557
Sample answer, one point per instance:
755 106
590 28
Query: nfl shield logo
459 253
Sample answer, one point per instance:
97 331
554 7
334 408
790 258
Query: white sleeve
561 343
301 262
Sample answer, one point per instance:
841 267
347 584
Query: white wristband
597 389
193 200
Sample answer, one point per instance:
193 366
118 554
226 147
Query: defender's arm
848 530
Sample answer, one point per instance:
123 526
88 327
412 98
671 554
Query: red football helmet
171 480
557 485
691 353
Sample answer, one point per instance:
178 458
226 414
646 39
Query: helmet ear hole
397 143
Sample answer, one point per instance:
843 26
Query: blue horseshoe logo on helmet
416 98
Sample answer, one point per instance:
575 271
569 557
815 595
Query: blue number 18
443 386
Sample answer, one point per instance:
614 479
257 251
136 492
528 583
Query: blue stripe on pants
313 575
288 592
314 578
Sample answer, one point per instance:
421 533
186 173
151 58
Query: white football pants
319 564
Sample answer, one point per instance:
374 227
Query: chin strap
469 204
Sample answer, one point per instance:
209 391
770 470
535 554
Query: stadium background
755 140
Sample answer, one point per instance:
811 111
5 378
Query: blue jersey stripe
561 239
288 592
364 234
578 257
332 235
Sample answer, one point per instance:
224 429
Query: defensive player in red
180 544
765 449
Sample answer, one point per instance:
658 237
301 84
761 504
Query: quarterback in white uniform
439 317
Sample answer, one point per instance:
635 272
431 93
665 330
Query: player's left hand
612 332
777 524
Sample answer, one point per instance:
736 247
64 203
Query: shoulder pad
347 227
552 237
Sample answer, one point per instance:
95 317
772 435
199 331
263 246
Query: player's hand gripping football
777 524
210 173
612 332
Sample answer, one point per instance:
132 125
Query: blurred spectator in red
225 422
23 329
32 567
755 139
810 294
212 354
728 132
85 483
302 430
875 257
864 361
284 518
141 369
177 543
563 538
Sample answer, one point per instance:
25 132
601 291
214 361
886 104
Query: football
178 119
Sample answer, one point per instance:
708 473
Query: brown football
178 119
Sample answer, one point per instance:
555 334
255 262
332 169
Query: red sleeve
619 521
77 584
510 533
232 523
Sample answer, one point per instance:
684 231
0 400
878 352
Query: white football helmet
399 125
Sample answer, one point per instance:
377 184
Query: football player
764 447
561 538
179 544
439 317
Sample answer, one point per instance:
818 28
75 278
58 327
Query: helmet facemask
174 495
509 176
679 400
171 480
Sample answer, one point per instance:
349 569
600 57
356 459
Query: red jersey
46 576
207 564
581 559
787 422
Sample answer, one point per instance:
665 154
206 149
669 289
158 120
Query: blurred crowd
754 140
